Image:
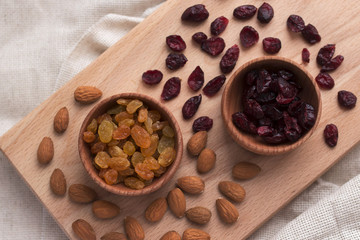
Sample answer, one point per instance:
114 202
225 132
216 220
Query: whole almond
232 190
197 143
87 94
191 184
45 152
113 236
177 202
199 215
156 210
133 229
81 193
227 211
206 160
58 182
172 235
83 230
245 170
61 120
195 234
104 209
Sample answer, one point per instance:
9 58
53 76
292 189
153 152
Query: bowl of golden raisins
130 144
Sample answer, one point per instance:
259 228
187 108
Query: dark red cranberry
196 13
263 82
307 116
271 45
325 81
218 25
175 61
213 46
276 138
249 92
265 131
291 122
251 77
325 54
271 111
244 12
214 85
332 64
171 88
295 23
175 43
253 109
191 106
347 99
331 135
152 77
196 79
286 89
310 34
265 122
286 75
248 36
305 55
199 37
295 108
202 124
265 97
228 61
265 13
242 122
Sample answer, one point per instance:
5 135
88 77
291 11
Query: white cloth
40 50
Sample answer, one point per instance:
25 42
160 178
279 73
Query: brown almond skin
156 210
191 184
45 152
199 215
245 170
177 202
83 230
104 209
195 234
232 190
61 120
206 160
197 143
113 236
80 193
172 235
87 94
133 229
58 182
227 211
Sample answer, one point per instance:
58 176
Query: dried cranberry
325 81
265 97
219 25
213 46
265 131
249 92
196 79
282 100
291 122
307 116
265 13
271 111
228 61
271 45
263 82
202 124
331 135
244 11
276 138
305 55
199 37
175 61
347 99
251 77
286 89
325 54
152 77
332 64
175 43
214 85
171 88
295 108
295 23
242 122
265 122
196 13
191 106
286 75
248 36
253 109
311 34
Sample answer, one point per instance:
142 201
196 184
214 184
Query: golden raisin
116 151
128 122
123 115
122 101
129 148
111 176
167 156
140 136
118 163
122 132
134 183
101 159
153 146
127 172
103 117
136 158
133 106
92 127
148 125
159 172
115 110
144 172
143 115
164 143
151 163
168 131
105 131
98 147
113 142
154 115
159 125
89 137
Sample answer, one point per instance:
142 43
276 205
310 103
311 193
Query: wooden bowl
231 103
87 158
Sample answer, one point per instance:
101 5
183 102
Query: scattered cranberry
347 99
295 23
202 124
332 64
196 79
191 106
152 77
175 43
311 34
199 37
213 46
305 55
175 61
171 88
331 135
196 13
214 85
248 36
265 13
242 122
325 81
325 54
228 61
244 12
219 25
271 45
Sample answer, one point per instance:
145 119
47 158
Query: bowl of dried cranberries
130 144
271 105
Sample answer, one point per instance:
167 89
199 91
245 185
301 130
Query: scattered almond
156 210
58 182
61 120
104 209
206 160
87 94
232 190
199 215
195 234
113 236
227 211
133 229
45 152
191 184
177 202
81 193
245 170
197 143
172 235
83 230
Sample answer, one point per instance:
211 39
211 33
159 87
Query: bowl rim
121 189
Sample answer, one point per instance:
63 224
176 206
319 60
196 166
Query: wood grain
119 69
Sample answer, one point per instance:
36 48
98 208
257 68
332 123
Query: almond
58 182
206 160
87 94
113 236
105 209
199 215
133 229
83 230
245 170
172 235
156 210
195 234
227 211
45 152
232 190
177 202
81 193
61 120
191 184
197 143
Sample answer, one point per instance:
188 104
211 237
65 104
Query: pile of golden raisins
131 144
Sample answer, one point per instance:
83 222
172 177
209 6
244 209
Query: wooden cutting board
119 69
